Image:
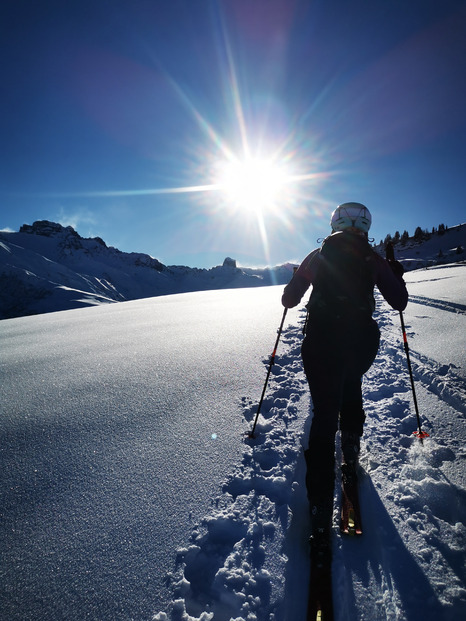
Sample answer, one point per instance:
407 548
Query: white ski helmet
351 215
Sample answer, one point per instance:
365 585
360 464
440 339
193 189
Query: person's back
344 283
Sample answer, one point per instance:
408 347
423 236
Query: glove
397 268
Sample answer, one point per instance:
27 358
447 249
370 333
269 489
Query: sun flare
251 184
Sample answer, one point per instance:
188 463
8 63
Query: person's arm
301 280
391 284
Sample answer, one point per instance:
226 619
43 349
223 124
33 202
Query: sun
252 184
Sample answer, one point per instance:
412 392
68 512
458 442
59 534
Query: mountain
47 267
447 245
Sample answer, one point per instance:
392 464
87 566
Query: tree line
419 235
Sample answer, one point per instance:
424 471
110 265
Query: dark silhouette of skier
340 344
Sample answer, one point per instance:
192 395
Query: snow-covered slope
410 564
445 246
129 490
47 267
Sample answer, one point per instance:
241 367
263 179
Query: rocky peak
47 229
229 263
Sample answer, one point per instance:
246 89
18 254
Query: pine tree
404 238
418 234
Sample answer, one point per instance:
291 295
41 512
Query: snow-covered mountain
47 267
445 245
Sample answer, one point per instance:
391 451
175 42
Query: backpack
343 287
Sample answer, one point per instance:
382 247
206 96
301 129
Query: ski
350 520
320 601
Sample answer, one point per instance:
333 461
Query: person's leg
352 413
324 371
362 351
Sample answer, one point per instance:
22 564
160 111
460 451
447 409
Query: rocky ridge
48 267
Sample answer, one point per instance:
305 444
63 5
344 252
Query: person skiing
340 344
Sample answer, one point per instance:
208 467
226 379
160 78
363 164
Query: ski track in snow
452 307
247 560
235 564
414 511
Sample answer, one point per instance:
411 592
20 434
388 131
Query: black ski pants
335 356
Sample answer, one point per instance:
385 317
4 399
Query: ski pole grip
389 252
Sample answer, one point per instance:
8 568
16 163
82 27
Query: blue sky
117 117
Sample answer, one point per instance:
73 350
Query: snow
131 491
438 321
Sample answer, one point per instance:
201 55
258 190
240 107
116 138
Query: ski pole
271 363
390 256
419 433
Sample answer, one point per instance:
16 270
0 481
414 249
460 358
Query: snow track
235 564
247 560
412 493
451 307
